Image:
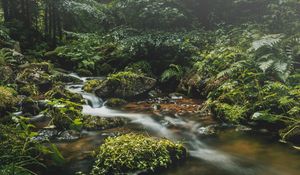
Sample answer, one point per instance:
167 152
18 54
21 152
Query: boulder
92 123
90 85
132 153
125 85
29 106
36 73
59 92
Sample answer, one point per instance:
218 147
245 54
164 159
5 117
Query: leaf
56 155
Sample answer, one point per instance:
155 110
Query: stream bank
214 148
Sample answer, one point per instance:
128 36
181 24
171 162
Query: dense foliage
240 57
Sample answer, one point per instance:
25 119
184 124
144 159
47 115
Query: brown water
227 152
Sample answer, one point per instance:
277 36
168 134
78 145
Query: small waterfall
188 131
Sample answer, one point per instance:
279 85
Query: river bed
214 148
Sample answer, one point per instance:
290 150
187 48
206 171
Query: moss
115 102
65 114
98 123
124 76
90 85
59 92
135 152
8 99
43 66
29 90
37 74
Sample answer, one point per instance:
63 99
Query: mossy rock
115 102
90 85
6 74
36 73
8 99
65 114
130 153
59 92
84 72
98 123
29 106
29 90
43 66
65 78
125 85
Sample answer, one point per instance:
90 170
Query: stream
230 151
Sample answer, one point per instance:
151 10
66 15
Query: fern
174 71
232 69
275 56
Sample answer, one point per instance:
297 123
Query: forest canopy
239 58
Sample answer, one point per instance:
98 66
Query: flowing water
229 152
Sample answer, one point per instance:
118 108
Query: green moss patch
135 152
99 123
8 99
90 85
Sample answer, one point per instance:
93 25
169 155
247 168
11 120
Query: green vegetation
90 85
8 99
239 57
133 152
65 114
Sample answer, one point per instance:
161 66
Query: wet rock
176 96
29 106
45 135
115 102
38 118
69 135
206 130
99 123
156 107
65 78
54 134
242 128
125 85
